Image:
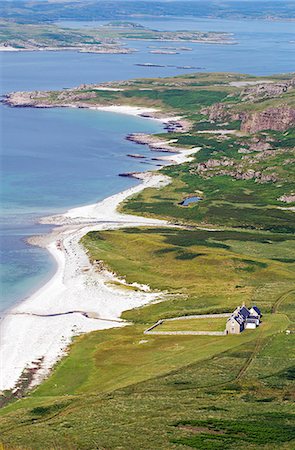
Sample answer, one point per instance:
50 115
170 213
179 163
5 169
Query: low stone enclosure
151 330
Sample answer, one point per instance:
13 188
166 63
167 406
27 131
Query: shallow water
56 159
263 47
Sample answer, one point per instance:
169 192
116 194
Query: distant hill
43 10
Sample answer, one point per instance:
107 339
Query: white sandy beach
8 48
148 113
28 334
124 109
78 298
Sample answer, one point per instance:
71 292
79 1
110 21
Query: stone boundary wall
150 330
188 333
198 316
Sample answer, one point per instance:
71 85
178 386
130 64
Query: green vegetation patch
184 99
206 324
226 202
218 434
42 411
182 378
202 271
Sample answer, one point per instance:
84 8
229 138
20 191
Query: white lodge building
242 318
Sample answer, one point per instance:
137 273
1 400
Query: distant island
49 11
107 38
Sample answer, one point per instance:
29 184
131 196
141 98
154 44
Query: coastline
78 298
117 48
103 51
24 100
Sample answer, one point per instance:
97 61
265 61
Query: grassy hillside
44 11
119 388
226 201
215 270
233 389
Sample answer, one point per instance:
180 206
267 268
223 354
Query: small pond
189 200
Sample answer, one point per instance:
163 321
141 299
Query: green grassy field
226 201
172 391
217 324
216 271
126 394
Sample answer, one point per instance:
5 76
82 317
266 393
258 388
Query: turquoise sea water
54 159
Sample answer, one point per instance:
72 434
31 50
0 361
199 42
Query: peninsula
107 38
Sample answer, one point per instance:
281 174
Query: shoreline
101 51
78 298
226 38
24 100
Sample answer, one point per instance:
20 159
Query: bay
52 160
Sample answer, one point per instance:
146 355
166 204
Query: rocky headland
278 118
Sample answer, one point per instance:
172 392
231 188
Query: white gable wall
253 312
250 326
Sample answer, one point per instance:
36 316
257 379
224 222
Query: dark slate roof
244 312
257 310
252 317
239 319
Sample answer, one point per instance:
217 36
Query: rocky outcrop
221 112
278 119
70 96
266 90
25 98
136 155
217 112
213 163
129 174
154 143
259 145
287 198
229 167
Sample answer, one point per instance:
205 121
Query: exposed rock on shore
25 98
130 175
154 143
135 155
